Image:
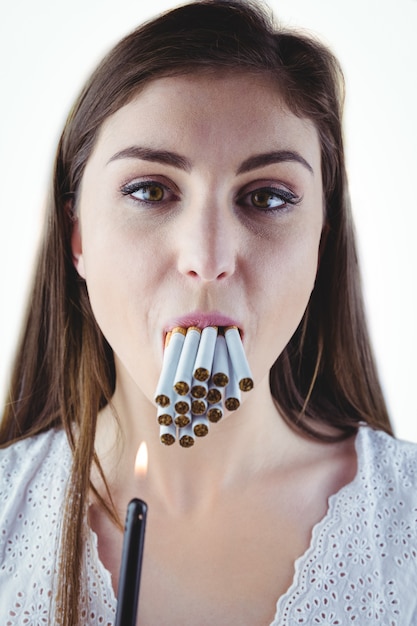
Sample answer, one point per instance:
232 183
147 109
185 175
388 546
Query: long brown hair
64 370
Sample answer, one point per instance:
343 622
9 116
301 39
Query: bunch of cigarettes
203 373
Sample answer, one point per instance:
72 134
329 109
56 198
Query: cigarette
200 426
204 358
203 373
183 419
215 413
198 407
168 434
199 389
173 347
165 415
232 394
214 395
182 404
238 358
220 371
183 375
186 436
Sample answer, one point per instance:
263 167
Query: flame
141 463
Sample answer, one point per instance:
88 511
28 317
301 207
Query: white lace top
360 569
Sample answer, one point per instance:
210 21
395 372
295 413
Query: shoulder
33 471
388 462
33 455
33 480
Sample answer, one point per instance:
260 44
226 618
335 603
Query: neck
243 445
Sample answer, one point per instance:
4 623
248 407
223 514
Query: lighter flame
141 463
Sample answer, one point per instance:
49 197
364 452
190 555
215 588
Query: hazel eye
266 199
148 192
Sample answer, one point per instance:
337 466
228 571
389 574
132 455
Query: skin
228 517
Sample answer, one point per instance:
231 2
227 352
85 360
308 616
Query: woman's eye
148 192
269 199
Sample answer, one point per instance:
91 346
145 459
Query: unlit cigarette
183 375
220 370
173 348
165 415
183 419
203 373
198 407
215 413
200 426
199 389
232 394
168 434
214 395
204 358
186 436
182 404
238 358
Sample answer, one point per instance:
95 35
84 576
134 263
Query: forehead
192 111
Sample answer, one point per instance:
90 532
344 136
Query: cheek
288 273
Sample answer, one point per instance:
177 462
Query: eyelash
284 195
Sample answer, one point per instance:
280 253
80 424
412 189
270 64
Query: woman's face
202 204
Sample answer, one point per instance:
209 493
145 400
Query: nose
207 242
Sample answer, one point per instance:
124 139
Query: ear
77 248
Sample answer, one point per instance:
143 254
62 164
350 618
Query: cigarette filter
173 348
204 358
200 426
220 371
183 375
186 436
238 358
168 434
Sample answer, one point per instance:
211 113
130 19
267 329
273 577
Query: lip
201 319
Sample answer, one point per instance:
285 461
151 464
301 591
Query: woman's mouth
202 319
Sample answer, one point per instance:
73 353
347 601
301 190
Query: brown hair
64 370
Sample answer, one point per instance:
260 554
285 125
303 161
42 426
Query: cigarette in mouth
186 436
199 389
238 358
200 426
215 413
232 394
165 415
198 407
203 373
173 347
184 373
214 395
204 358
220 371
182 404
183 419
167 434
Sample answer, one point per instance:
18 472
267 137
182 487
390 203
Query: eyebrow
166 157
150 154
269 158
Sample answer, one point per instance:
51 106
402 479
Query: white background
48 48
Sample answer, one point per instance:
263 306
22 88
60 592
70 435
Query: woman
200 181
